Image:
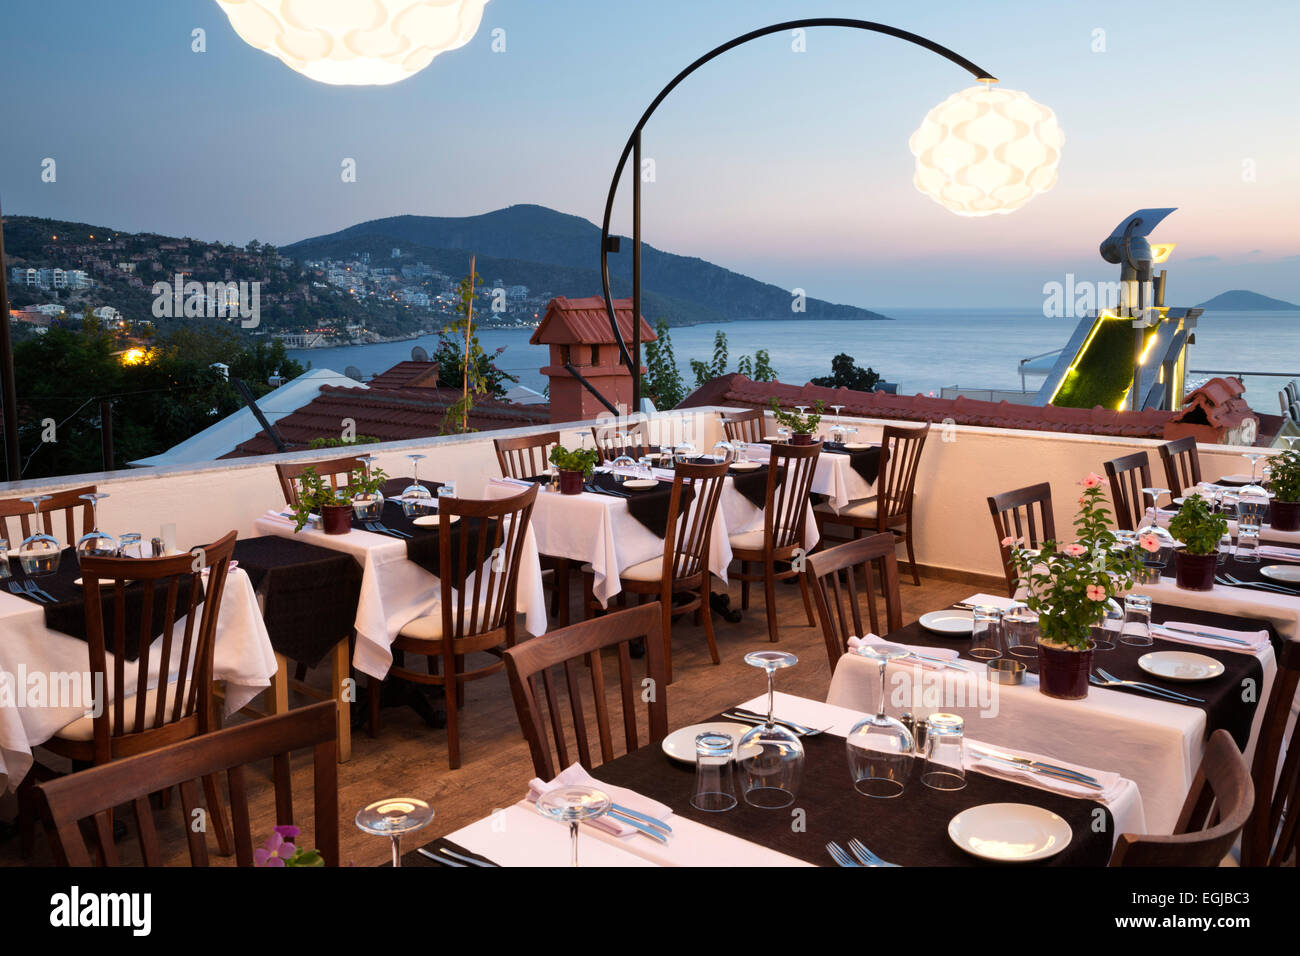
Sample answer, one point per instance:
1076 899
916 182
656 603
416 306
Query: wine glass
1152 517
621 467
774 763
416 498
95 543
724 451
1253 490
879 747
39 553
368 506
393 816
784 434
572 805
684 452
5 571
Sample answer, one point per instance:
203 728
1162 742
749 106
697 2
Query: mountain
1241 300
548 250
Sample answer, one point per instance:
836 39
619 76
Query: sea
922 350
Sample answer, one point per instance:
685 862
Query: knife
437 859
644 818
468 859
637 825
1036 764
745 714
1204 634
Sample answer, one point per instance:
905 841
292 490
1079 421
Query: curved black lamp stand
633 148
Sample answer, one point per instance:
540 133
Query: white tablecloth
242 658
519 836
1281 610
1156 743
396 590
836 478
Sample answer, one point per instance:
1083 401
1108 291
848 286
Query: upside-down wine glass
39 553
416 498
572 805
369 506
393 816
770 773
95 543
1254 489
879 747
1152 517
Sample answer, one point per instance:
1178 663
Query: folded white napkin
1111 783
516 482
1257 639
992 600
577 776
1279 553
946 653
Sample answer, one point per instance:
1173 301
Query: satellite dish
353 373
418 354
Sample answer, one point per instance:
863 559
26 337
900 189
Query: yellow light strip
1078 357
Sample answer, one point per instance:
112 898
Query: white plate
1179 501
949 622
431 521
773 440
103 582
857 446
1235 479
680 744
641 483
746 465
1010 832
1281 572
1180 665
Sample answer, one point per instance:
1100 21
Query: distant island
1242 300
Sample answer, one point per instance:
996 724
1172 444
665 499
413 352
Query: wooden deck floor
409 758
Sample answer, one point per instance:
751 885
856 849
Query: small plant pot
799 438
570 482
1284 515
1194 572
1063 672
336 519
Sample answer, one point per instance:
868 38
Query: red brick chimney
578 332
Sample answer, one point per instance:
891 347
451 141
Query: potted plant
316 495
1199 529
1284 482
363 491
802 427
1069 587
575 467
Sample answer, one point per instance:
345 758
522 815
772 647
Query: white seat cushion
864 508
426 628
652 570
83 728
747 540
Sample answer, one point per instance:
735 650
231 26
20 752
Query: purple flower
287 830
276 849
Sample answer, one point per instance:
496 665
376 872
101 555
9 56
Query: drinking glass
5 571
1247 544
572 805
1112 623
416 498
986 635
1225 546
644 467
448 488
366 505
95 543
879 747
393 816
715 775
132 545
771 771
39 553
1253 490
1136 629
1020 633
784 434
742 450
943 768
684 452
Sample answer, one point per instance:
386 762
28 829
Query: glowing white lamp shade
985 150
355 42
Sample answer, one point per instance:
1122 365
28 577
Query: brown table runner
416 858
910 829
647 505
865 461
1248 571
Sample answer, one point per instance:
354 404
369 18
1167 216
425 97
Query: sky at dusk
791 167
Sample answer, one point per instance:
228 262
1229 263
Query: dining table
909 830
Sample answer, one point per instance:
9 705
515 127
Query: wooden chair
134 722
1128 476
91 795
1015 516
838 606
1272 836
785 512
683 568
610 442
466 623
65 504
571 647
900 457
526 456
336 470
748 426
1182 464
1217 807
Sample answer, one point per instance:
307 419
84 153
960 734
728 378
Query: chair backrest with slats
1128 476
614 440
1182 464
526 456
181 708
789 481
484 606
1272 836
337 471
746 426
833 576
686 550
92 794
57 517
1024 513
540 667
1217 806
900 459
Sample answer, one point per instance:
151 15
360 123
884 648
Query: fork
397 531
865 856
19 590
377 528
1260 584
1110 678
38 591
839 856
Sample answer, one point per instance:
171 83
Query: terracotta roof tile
585 321
403 374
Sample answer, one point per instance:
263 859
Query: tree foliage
846 374
758 367
663 379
